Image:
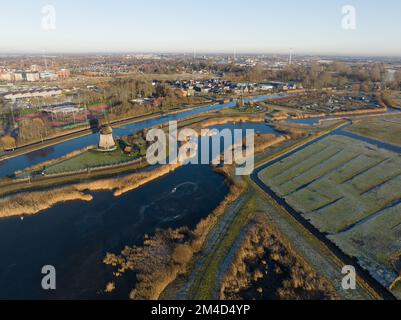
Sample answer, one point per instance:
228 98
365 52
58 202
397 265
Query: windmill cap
106 129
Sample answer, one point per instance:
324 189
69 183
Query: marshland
73 227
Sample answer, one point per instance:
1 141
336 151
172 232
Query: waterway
8 167
75 236
316 121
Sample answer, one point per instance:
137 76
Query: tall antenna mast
290 62
44 57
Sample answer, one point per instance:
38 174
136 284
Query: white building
266 87
32 76
26 94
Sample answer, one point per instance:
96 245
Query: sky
204 26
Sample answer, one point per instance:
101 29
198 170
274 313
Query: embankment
52 162
264 141
167 254
225 120
34 202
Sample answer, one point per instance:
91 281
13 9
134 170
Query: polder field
386 129
350 190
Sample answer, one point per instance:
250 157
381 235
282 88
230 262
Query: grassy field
91 159
350 190
375 237
387 129
395 97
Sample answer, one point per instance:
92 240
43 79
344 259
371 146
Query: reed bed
30 203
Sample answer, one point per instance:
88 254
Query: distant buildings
19 76
25 94
48 75
142 101
63 74
266 87
220 86
32 75
5 75
63 109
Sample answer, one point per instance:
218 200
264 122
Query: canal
75 236
8 167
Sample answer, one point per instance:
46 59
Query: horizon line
225 53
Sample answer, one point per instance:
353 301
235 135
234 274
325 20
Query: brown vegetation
382 109
264 141
292 133
34 202
7 143
396 285
280 116
266 267
167 254
225 120
389 101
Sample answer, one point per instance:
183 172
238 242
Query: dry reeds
167 254
264 255
33 202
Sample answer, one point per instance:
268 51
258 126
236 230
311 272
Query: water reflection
75 236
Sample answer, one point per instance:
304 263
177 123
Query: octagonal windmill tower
106 142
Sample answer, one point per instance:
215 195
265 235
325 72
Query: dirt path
186 287
319 257
229 259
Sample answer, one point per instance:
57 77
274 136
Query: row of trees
319 76
118 94
29 130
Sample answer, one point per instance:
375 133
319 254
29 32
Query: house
125 147
32 76
26 94
142 101
265 87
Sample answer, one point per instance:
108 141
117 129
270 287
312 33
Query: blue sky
260 26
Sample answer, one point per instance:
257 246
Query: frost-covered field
351 190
